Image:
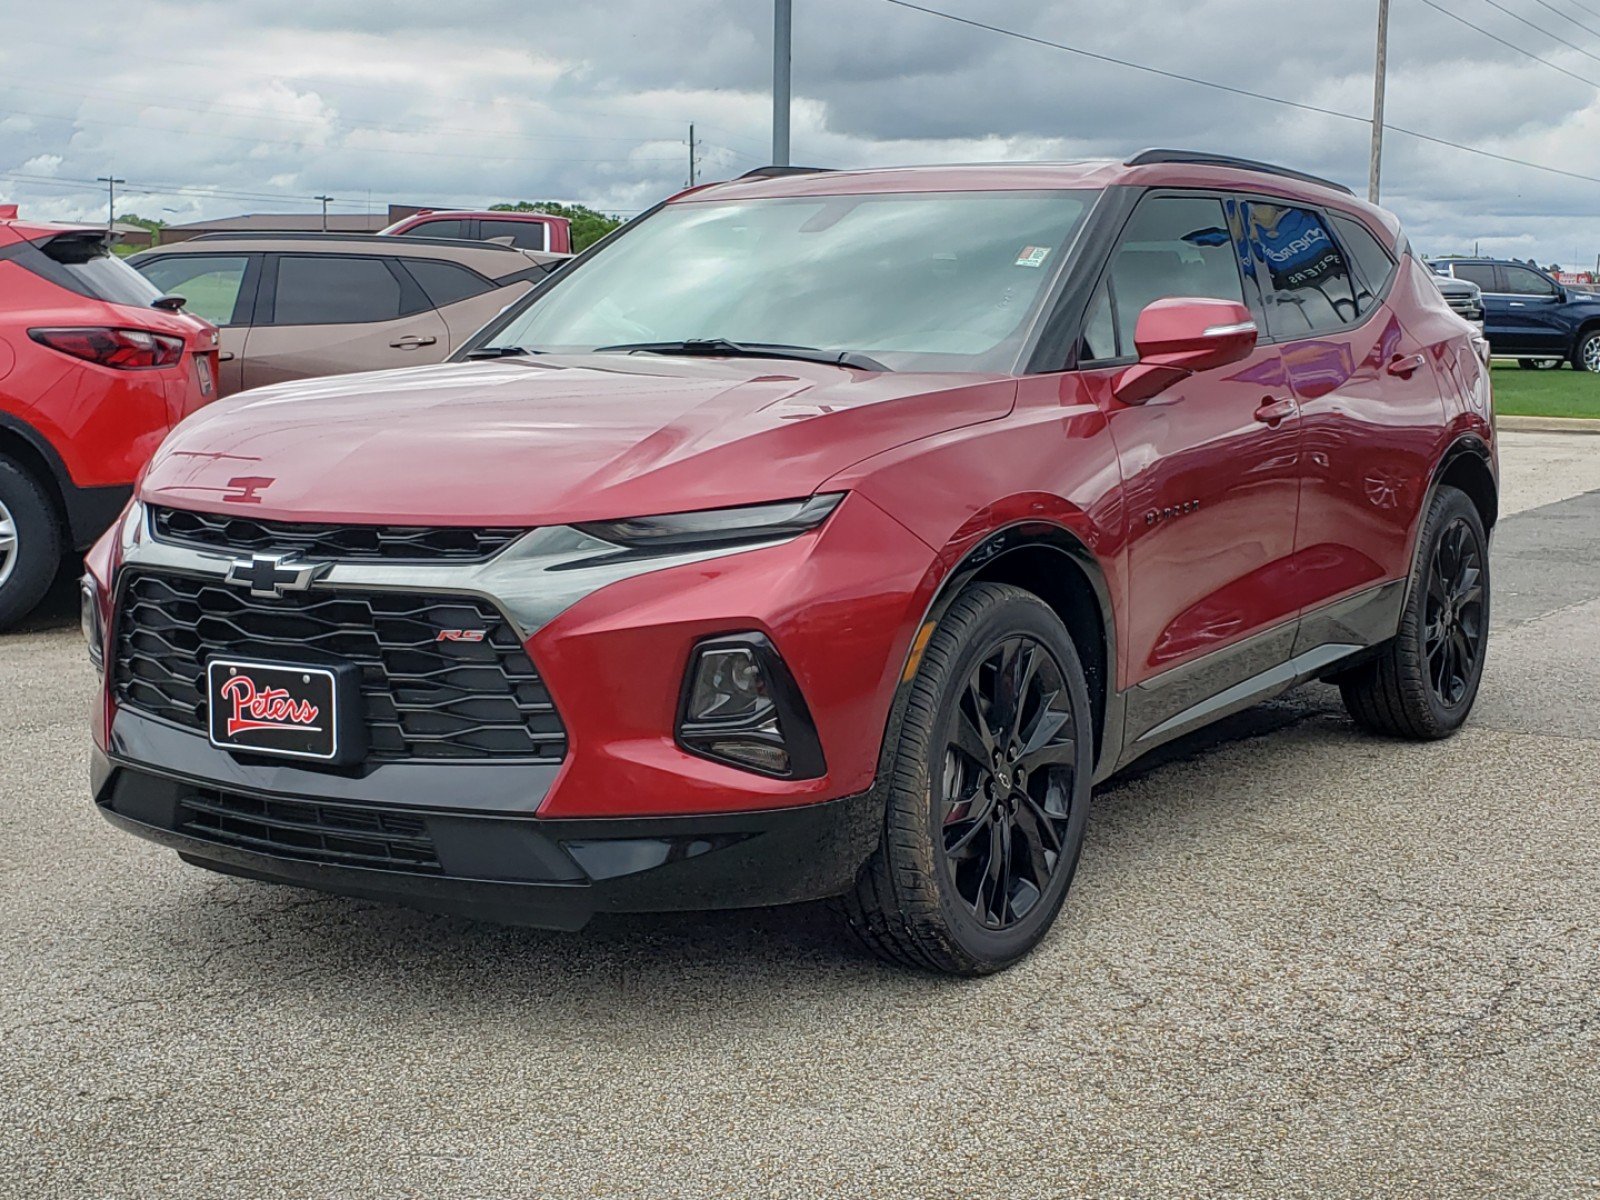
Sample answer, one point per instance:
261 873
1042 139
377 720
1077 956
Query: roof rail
1200 159
776 172
317 235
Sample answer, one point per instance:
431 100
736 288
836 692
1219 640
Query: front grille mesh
423 698
329 833
389 543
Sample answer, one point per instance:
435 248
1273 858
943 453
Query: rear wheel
987 794
1423 683
1587 356
30 542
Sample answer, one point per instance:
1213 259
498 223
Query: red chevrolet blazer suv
818 534
96 367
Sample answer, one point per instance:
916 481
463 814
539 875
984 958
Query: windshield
932 281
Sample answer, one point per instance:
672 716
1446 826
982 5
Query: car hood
551 440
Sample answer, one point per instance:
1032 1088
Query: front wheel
1587 356
1423 682
1538 364
987 794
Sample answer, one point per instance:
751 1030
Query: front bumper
498 866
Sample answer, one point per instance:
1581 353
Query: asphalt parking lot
1297 961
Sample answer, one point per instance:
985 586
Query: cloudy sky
211 109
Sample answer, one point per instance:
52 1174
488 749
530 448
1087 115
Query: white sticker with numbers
1033 256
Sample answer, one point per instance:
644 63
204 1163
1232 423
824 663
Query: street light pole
111 182
325 200
782 24
1379 80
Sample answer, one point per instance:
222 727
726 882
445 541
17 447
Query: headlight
716 526
89 620
742 707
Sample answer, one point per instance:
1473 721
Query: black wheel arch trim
1468 444
1104 697
85 512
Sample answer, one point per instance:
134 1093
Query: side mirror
168 303
1177 337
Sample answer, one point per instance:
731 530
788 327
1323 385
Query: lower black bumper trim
519 870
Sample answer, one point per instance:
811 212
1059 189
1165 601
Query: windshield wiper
723 348
498 352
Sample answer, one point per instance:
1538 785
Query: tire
30 542
931 894
1423 682
1586 355
1539 364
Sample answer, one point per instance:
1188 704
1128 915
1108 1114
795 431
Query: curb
1546 425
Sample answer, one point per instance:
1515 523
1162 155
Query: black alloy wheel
1006 783
986 777
1422 683
1454 622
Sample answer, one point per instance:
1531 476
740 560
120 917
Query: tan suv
292 305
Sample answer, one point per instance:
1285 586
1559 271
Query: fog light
89 621
728 686
741 706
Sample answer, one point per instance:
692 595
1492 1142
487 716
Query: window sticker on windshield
1033 256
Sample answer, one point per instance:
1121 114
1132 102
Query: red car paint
86 430
1238 501
557 230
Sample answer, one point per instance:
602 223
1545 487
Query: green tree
588 226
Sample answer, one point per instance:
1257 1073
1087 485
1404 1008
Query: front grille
328 833
388 543
422 698
1465 306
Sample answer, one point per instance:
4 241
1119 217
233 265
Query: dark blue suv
1529 316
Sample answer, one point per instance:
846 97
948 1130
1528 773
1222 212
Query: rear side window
1481 274
1522 282
1173 246
1373 265
1307 288
446 283
525 235
85 265
330 290
208 282
439 229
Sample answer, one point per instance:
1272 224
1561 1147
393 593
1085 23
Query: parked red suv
787 546
96 366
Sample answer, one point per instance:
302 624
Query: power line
1541 29
1495 37
1564 17
1223 87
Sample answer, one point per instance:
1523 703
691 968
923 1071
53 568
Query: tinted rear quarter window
1372 262
446 283
525 235
1308 287
328 290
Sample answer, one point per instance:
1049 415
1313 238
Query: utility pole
111 182
691 153
1379 79
782 24
325 200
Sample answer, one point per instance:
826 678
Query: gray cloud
215 108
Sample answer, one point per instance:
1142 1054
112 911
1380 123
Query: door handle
1407 366
225 356
1515 304
1273 411
411 341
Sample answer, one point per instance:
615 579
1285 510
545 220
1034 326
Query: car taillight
124 349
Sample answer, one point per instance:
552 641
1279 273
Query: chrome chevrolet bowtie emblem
272 575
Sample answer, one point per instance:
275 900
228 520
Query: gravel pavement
1297 962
